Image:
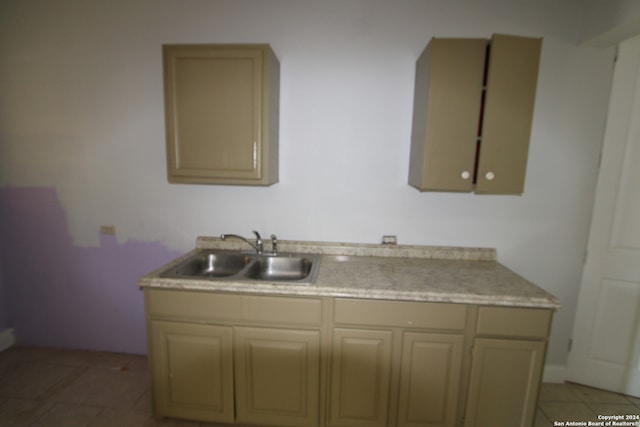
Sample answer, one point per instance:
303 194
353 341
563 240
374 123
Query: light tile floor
69 388
572 402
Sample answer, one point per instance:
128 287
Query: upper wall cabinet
221 106
473 108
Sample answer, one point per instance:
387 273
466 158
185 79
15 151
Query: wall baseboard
7 339
554 374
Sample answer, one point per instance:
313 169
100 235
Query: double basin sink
234 265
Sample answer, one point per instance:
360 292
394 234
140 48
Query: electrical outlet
389 240
108 229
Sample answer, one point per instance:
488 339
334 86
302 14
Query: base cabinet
505 376
231 359
396 363
277 376
362 371
360 374
339 362
506 366
430 379
192 371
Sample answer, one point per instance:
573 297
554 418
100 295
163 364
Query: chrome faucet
274 245
257 246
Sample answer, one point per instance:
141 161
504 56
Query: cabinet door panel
360 371
448 95
221 109
277 376
213 111
192 371
430 379
508 112
505 376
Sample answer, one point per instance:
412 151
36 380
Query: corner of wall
607 31
554 374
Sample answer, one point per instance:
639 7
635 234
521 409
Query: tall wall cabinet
222 113
473 108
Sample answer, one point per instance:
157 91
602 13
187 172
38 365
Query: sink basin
238 266
211 265
280 268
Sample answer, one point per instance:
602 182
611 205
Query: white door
606 337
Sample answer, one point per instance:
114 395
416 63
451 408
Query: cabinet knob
465 175
490 176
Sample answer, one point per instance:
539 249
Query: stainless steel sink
211 265
237 266
280 268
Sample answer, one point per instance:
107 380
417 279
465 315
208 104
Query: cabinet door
221 105
360 371
464 139
508 113
430 379
505 376
277 376
192 371
448 95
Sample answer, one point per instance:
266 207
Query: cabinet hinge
570 344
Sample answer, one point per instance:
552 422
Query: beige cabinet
341 362
447 101
406 374
232 358
473 109
504 382
221 114
506 370
430 379
277 376
192 371
360 375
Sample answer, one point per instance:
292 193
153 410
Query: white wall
81 111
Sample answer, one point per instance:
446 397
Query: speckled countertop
409 273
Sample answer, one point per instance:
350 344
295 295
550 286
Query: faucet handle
274 244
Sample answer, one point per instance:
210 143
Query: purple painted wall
57 294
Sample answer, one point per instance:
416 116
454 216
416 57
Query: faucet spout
258 246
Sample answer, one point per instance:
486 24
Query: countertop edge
284 289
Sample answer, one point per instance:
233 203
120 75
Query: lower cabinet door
429 379
503 388
277 376
192 371
360 373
